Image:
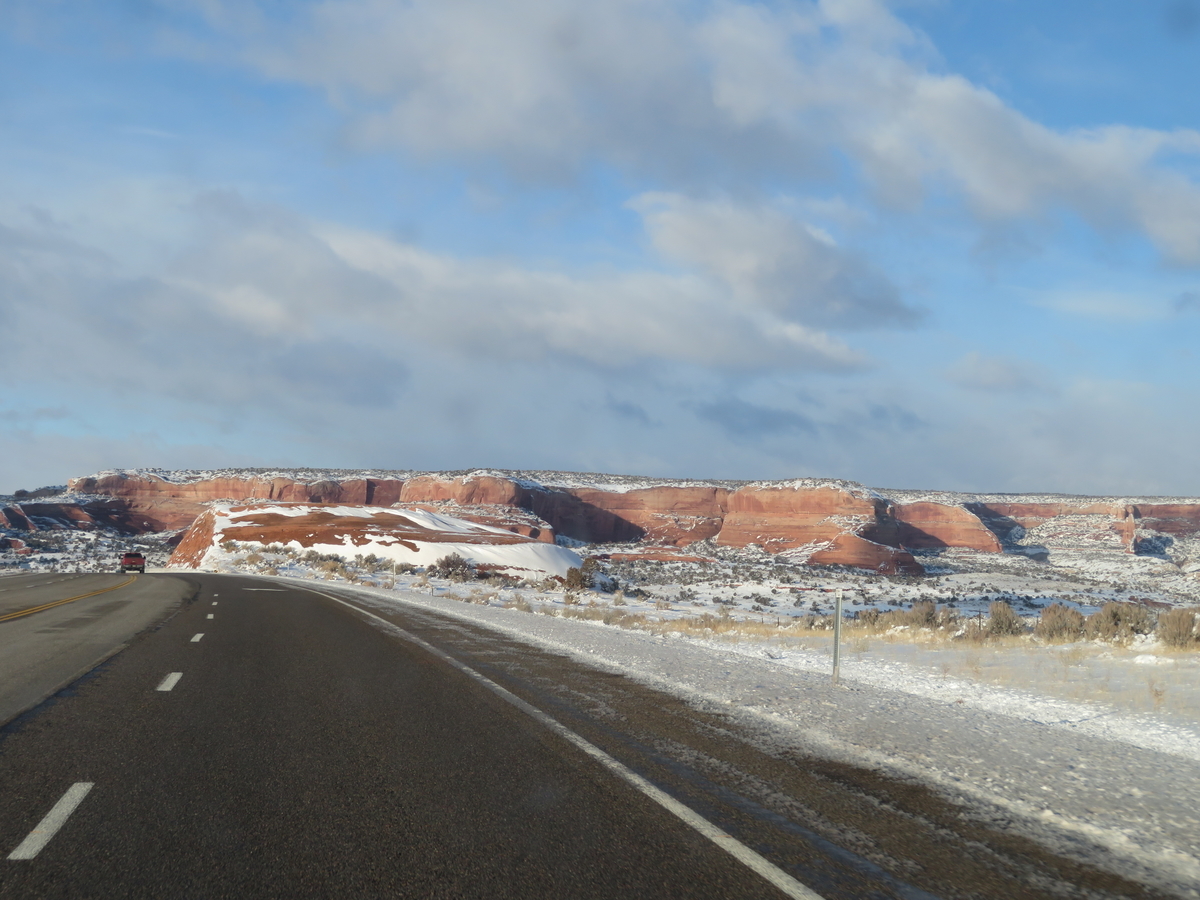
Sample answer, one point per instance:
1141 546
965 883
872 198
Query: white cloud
996 374
740 92
609 320
771 262
258 301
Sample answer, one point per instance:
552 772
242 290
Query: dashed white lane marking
170 681
209 616
196 638
48 827
214 603
273 590
727 842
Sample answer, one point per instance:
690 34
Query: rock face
842 526
783 518
866 554
935 526
827 522
148 503
410 536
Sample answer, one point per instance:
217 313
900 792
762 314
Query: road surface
267 739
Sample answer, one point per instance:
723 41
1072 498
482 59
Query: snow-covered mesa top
620 484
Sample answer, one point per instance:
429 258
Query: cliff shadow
582 521
1008 531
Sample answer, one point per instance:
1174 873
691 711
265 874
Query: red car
133 562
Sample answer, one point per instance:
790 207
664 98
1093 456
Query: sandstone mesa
823 522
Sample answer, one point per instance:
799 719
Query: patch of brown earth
319 524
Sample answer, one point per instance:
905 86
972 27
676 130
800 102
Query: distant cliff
825 521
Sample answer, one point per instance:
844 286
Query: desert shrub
1119 621
922 615
868 617
454 567
254 558
520 603
571 598
1177 627
1002 620
577 579
1060 623
312 556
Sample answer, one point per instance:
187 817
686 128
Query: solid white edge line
169 682
197 637
731 845
54 820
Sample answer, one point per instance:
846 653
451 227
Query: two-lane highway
275 739
54 628
299 751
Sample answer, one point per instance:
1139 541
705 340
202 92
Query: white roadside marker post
837 636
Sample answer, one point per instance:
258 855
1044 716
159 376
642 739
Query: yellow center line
34 609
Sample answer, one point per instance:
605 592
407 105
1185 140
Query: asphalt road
55 628
306 749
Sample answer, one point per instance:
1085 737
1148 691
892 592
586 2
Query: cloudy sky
946 244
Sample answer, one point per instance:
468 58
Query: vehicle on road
133 562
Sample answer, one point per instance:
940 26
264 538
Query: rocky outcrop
52 516
778 516
852 550
786 517
1153 526
13 517
936 526
143 502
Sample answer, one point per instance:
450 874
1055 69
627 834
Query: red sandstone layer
851 525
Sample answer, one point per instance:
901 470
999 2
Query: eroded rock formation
830 522
935 526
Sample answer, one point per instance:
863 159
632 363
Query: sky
925 244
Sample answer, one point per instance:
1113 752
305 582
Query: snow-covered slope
410 536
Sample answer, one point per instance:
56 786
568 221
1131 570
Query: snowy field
1076 741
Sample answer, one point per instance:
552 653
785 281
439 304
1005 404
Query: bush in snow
578 579
454 567
1177 628
1002 620
1119 621
1060 623
923 614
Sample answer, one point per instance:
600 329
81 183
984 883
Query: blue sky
949 245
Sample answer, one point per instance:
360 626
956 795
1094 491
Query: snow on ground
411 537
1081 742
